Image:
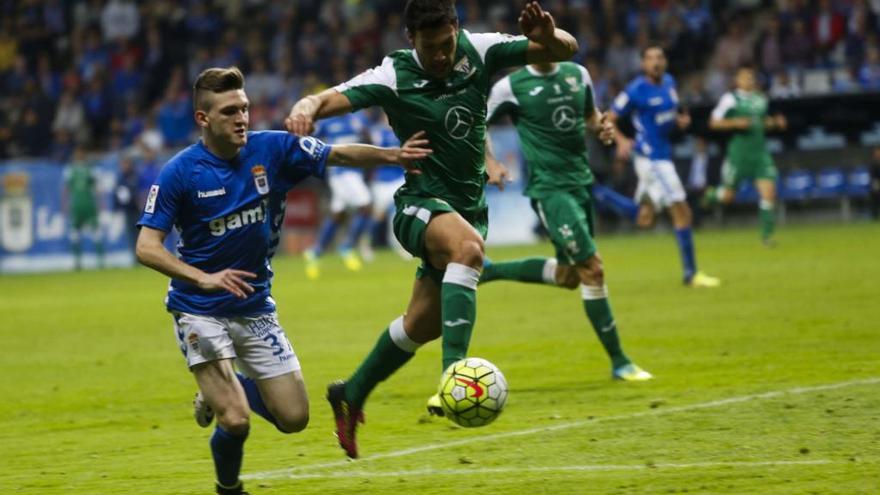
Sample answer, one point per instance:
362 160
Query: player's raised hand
232 281
498 174
606 130
537 24
414 149
301 120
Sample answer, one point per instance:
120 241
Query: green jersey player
80 182
441 86
552 105
744 113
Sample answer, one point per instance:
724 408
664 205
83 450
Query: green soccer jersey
451 111
548 111
749 145
80 182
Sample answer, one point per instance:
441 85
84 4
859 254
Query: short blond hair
215 80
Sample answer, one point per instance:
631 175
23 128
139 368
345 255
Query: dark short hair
428 14
651 46
215 80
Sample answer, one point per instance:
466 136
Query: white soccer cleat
700 279
202 412
631 373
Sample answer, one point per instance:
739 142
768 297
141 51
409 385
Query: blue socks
685 240
325 236
359 224
616 202
255 401
227 450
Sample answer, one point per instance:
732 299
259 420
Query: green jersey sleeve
589 99
377 86
499 50
502 101
724 106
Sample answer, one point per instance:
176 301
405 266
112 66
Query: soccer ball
472 392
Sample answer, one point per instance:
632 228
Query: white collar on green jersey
415 55
535 72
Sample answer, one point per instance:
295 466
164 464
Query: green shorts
411 222
83 217
568 217
734 172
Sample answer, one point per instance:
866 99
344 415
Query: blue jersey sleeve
165 198
625 101
303 156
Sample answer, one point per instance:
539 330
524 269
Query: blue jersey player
348 192
385 181
652 103
217 192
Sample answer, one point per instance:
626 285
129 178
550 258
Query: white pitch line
555 469
286 473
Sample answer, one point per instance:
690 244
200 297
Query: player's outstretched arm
601 125
624 144
327 103
365 156
730 124
498 174
547 43
152 253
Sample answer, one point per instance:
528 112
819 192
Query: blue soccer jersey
654 108
342 129
222 209
383 136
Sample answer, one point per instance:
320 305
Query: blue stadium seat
858 184
797 185
830 183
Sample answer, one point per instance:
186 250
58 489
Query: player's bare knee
235 423
294 422
470 253
567 278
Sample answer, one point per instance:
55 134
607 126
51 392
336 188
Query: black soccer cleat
237 490
347 418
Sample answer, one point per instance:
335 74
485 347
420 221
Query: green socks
537 270
458 299
599 312
768 219
391 352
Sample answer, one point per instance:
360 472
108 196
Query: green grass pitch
770 384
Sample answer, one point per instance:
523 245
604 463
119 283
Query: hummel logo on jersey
457 323
420 83
212 193
237 220
536 90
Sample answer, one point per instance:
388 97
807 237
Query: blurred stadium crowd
115 74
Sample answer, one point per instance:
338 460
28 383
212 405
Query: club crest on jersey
572 83
261 180
463 65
